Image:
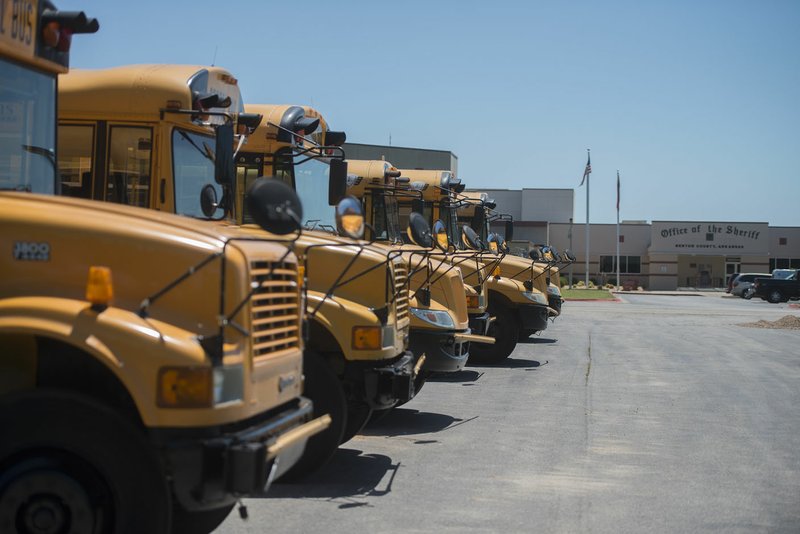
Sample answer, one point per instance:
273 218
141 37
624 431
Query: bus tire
358 413
505 330
71 464
525 334
325 390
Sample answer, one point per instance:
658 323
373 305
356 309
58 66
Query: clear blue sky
697 103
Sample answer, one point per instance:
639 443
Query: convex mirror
534 254
470 238
440 236
208 201
274 206
350 218
494 242
569 255
419 231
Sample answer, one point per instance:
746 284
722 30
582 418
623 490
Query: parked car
783 274
742 283
777 290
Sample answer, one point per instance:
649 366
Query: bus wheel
358 413
525 334
505 330
324 388
201 522
70 464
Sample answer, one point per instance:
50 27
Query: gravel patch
787 322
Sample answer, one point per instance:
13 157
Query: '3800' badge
31 251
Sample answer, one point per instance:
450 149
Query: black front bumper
389 384
533 317
213 467
479 323
443 353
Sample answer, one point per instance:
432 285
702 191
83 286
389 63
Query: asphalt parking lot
654 414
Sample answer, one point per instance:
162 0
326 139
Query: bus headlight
438 318
536 297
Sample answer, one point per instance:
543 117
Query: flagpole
587 224
619 282
570 249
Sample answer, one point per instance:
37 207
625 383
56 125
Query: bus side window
75 161
129 163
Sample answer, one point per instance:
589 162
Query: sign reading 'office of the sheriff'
711 238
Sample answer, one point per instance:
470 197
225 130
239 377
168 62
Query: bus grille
401 289
275 319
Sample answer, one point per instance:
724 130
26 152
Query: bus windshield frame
193 168
29 121
309 179
385 216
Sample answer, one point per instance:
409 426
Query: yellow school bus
549 261
476 210
448 312
515 307
294 144
126 403
145 135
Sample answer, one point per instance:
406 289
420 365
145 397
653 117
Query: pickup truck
779 290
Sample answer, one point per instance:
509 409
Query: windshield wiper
47 153
207 153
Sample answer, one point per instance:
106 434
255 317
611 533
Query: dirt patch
787 322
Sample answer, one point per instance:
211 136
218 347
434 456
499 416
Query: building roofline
392 147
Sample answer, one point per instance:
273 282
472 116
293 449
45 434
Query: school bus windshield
27 129
193 169
310 181
385 217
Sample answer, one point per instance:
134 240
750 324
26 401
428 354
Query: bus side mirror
440 236
470 238
350 218
224 166
337 181
534 254
509 230
419 231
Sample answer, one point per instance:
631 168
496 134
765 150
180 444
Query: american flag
588 170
